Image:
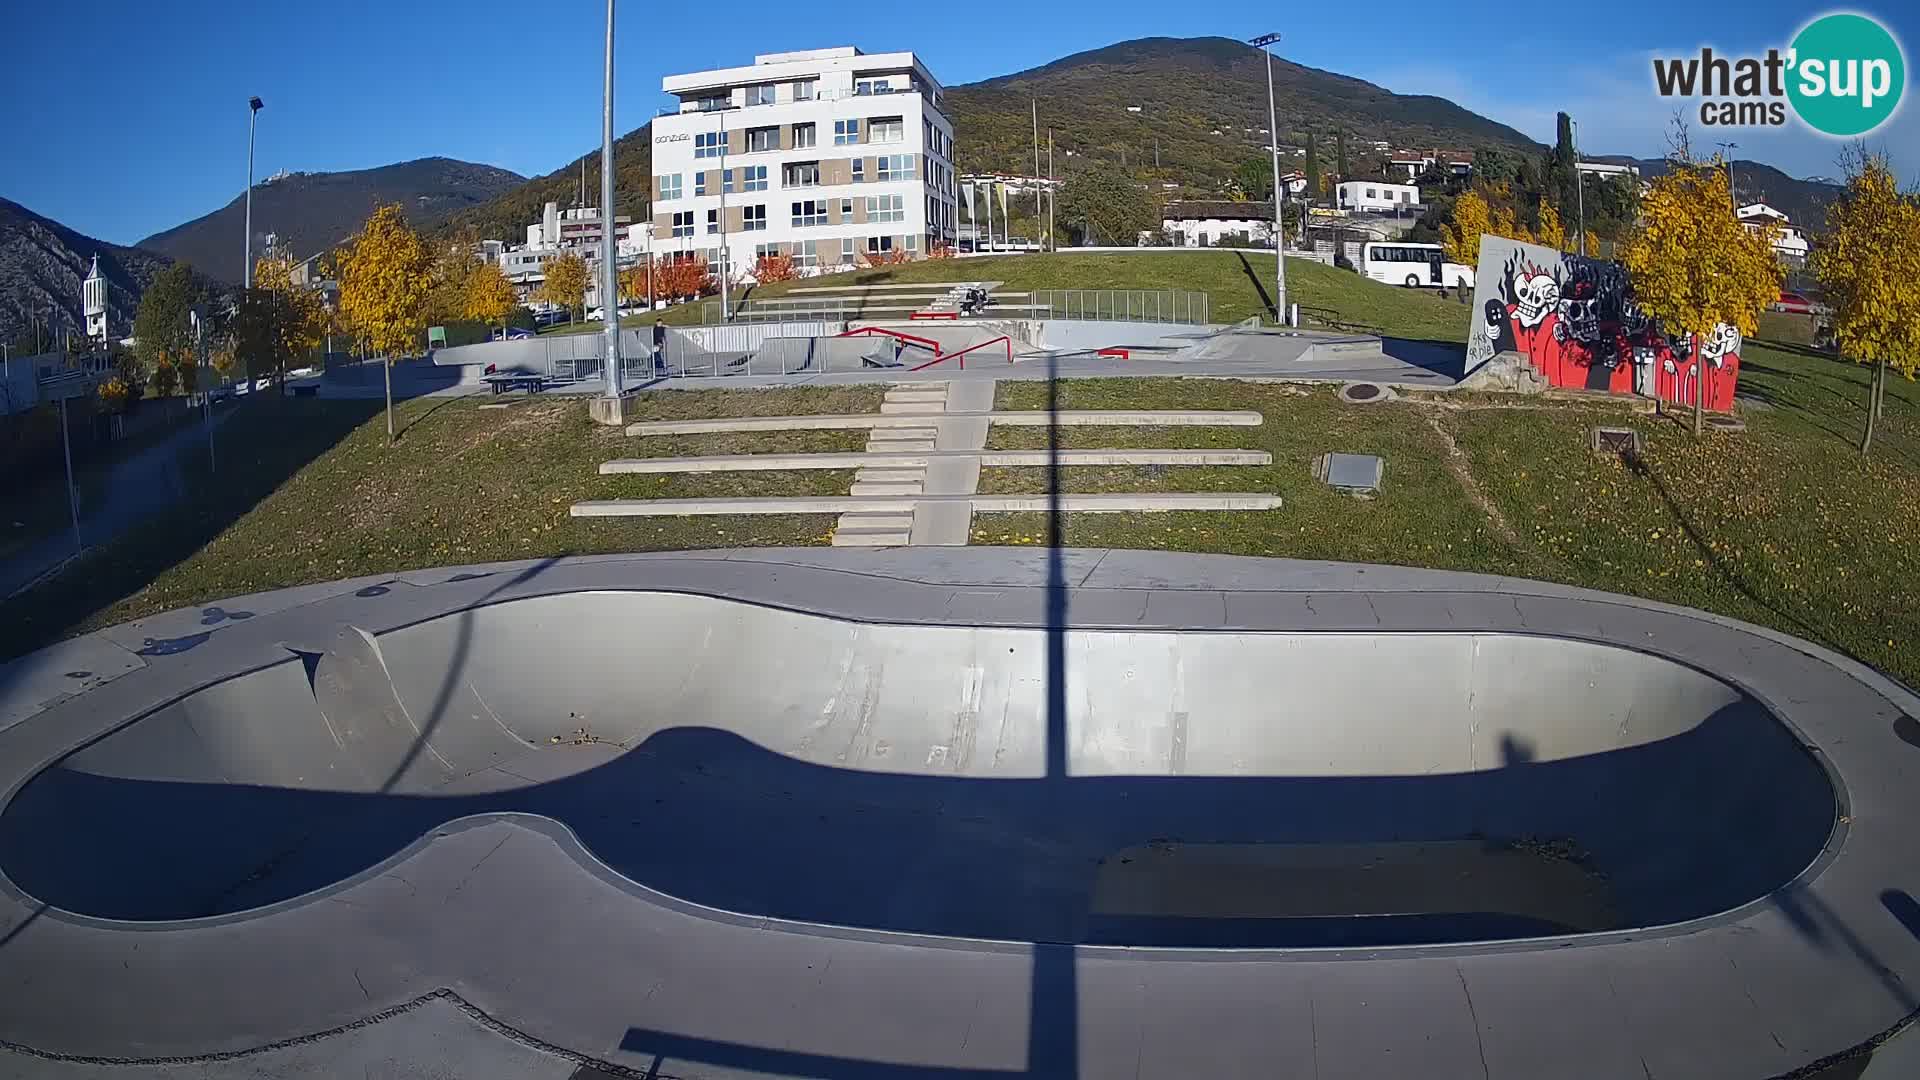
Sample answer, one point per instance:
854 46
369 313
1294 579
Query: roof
1224 209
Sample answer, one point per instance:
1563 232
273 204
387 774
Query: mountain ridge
42 264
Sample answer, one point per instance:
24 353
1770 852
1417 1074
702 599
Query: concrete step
900 446
1105 503
938 395
872 537
877 522
914 408
1016 418
888 459
901 488
890 476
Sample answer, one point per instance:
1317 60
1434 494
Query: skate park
933 812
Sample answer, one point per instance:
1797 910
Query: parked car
1793 303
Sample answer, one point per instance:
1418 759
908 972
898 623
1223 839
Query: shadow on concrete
1447 358
1259 287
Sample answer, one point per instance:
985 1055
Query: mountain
1204 100
1803 201
507 215
42 263
311 211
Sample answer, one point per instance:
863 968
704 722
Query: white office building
1789 241
826 155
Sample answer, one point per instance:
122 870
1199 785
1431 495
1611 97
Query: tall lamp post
254 105
609 267
1273 137
1579 186
1726 149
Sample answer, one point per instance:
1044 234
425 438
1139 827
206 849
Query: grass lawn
40 507
1238 286
309 491
1784 525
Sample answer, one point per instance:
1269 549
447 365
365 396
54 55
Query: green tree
163 327
384 281
1492 165
1255 179
1108 206
1869 264
276 320
1693 265
1559 174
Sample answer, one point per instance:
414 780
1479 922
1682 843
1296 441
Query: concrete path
143 484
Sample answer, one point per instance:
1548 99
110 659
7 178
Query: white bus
1412 265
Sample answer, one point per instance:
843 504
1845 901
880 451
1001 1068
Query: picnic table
503 381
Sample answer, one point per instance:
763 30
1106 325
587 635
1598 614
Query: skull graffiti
1722 342
1536 297
1579 321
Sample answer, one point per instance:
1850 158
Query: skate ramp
1188 788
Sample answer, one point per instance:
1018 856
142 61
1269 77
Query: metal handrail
865 331
962 354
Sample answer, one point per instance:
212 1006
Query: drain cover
1725 423
1363 393
1615 440
1350 472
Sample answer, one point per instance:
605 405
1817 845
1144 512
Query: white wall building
827 155
1373 196
1198 224
1790 243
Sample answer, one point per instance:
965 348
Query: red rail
926 316
962 354
917 340
1115 351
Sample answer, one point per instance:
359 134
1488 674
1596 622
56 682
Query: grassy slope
1239 286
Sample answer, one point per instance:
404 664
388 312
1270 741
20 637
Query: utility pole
1579 185
1035 103
1273 137
609 251
1725 151
1053 195
254 105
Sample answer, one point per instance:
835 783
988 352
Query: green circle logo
1846 74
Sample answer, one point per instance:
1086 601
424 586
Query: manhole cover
1350 472
1614 440
1363 393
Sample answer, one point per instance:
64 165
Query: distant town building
93 300
1374 196
1789 243
829 156
1200 223
1606 168
1416 162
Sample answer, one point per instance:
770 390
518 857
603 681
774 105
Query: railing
833 308
1116 305
869 331
961 356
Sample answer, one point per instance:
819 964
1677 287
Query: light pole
254 105
1724 148
1273 138
609 266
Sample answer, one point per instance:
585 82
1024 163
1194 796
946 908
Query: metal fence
834 308
1113 305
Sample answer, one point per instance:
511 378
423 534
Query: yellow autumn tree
1693 265
385 278
1550 233
1462 235
276 320
489 296
1869 266
566 284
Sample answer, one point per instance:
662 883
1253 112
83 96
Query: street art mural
1575 320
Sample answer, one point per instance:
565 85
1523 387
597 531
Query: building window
804 135
886 129
766 251
761 140
753 218
683 223
803 90
1371 194
810 212
873 86
667 187
713 221
859 170
760 94
753 178
846 209
699 184
726 182
846 249
713 103
894 167
800 174
709 144
886 208
846 132
879 245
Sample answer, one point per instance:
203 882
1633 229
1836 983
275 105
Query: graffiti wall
1574 318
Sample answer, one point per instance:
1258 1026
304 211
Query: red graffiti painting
1574 318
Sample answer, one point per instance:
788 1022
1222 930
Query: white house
1375 196
1789 243
1198 224
825 155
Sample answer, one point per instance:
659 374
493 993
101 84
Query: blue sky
127 118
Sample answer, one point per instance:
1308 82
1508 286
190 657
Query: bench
501 382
